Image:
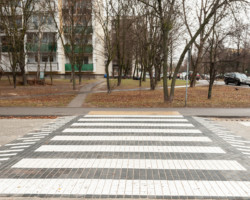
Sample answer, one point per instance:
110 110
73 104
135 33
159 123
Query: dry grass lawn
59 86
44 101
131 84
223 96
57 95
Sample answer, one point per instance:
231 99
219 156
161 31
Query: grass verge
60 94
44 101
132 84
223 96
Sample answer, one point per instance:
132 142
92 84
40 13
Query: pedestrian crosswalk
131 164
130 130
133 138
120 148
118 156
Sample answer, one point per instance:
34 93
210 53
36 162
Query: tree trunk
108 82
80 75
156 76
196 67
51 77
144 75
73 78
152 83
165 64
134 71
24 78
212 78
141 76
39 55
14 79
9 80
119 76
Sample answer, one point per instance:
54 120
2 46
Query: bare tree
202 10
42 35
72 22
215 47
15 19
103 16
215 6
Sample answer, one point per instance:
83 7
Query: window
45 58
51 58
86 60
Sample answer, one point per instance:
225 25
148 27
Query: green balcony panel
31 47
78 49
85 68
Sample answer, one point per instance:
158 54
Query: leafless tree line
158 28
142 37
24 23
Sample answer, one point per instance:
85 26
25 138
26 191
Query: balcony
9 48
32 67
88 49
85 68
78 29
31 47
6 48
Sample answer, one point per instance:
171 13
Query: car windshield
243 76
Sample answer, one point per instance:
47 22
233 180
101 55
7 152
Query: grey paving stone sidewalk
156 157
208 112
80 98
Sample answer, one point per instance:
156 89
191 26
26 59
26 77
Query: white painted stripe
30 138
120 148
16 144
34 140
134 124
10 154
232 140
241 146
132 138
131 164
243 149
40 133
244 141
133 116
229 137
19 147
131 120
125 187
3 159
245 123
37 135
9 151
128 130
235 143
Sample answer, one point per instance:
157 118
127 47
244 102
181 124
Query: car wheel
237 83
226 82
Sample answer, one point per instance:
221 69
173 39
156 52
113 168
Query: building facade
47 38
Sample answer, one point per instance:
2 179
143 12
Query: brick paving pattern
126 156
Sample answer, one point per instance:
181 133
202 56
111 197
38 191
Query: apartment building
47 41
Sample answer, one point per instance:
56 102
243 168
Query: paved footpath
127 155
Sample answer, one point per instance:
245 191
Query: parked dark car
236 78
